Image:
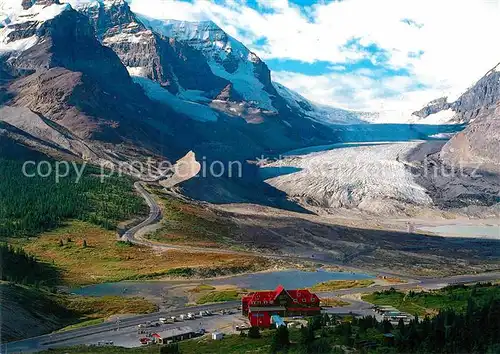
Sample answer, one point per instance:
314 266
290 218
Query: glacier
372 178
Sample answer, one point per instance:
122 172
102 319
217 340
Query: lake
290 279
261 281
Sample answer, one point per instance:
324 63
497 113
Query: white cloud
352 90
457 39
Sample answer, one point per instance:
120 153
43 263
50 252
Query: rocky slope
174 65
479 100
478 145
58 69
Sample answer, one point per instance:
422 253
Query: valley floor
348 240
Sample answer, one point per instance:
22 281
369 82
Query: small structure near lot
278 321
173 335
262 305
217 336
391 314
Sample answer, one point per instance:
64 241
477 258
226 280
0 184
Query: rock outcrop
433 107
478 145
174 65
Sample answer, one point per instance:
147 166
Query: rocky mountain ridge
478 145
479 100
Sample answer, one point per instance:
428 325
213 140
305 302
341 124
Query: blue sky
371 55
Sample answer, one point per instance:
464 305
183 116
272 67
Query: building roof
173 332
268 297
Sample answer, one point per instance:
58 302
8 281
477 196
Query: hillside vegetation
34 205
28 311
189 223
20 267
107 259
431 302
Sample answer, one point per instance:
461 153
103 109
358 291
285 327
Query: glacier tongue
156 92
369 178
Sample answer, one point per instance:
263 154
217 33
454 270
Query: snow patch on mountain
78 4
158 93
140 37
245 83
11 13
442 117
20 45
137 71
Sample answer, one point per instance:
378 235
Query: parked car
145 341
200 332
163 320
104 343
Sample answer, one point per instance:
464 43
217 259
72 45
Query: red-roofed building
261 305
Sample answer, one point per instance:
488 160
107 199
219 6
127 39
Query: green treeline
29 206
476 331
473 329
19 267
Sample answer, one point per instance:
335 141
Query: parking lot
130 336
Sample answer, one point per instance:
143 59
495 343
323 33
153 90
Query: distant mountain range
102 83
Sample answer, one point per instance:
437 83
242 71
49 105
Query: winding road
153 217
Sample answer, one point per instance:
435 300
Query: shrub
254 332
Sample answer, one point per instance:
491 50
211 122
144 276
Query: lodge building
262 305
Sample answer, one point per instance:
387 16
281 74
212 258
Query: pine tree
280 340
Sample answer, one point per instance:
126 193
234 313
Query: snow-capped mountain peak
227 57
21 20
16 12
